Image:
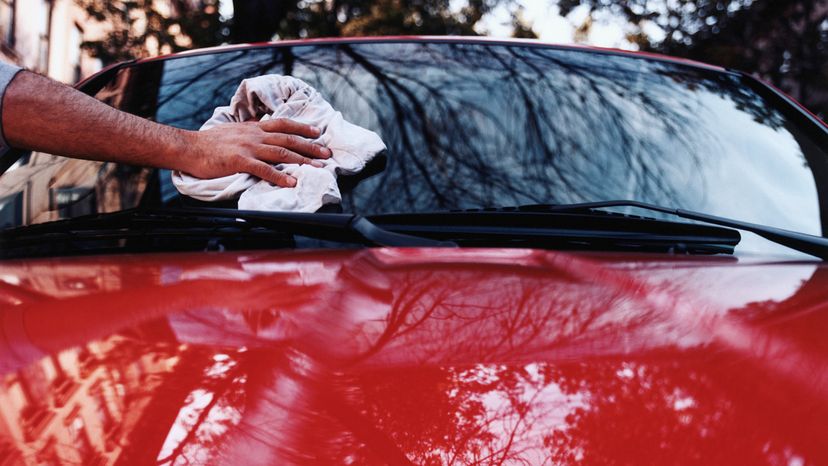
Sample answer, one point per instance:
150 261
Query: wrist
182 154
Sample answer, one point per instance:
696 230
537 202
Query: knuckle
282 152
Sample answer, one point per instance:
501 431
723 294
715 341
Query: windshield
481 125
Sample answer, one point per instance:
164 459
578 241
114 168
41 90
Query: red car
515 281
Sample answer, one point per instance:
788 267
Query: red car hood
413 356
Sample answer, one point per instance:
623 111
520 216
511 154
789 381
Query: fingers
254 150
277 154
284 125
298 145
266 172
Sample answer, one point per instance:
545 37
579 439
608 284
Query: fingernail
317 164
291 181
327 151
317 130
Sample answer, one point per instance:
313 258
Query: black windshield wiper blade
310 224
809 244
107 232
511 227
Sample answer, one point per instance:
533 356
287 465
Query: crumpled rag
274 96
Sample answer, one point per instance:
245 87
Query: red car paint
399 356
414 356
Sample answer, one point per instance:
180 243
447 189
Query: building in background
46 36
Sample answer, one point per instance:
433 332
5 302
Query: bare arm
43 115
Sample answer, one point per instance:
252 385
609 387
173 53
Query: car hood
416 356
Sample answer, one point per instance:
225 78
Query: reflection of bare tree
450 375
467 126
525 358
470 126
699 407
530 142
442 376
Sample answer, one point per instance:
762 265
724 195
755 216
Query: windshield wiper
814 245
514 227
573 226
143 230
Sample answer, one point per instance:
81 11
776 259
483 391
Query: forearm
40 114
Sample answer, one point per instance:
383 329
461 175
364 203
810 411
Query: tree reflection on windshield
482 125
471 126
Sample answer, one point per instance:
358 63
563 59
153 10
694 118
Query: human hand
252 147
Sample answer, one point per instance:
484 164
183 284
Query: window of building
48 455
105 418
11 210
75 41
80 439
44 23
7 22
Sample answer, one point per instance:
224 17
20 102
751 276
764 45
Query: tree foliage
365 17
783 41
139 28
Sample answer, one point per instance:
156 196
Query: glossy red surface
413 357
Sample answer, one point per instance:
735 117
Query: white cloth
274 96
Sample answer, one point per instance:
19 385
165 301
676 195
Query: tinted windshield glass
482 125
